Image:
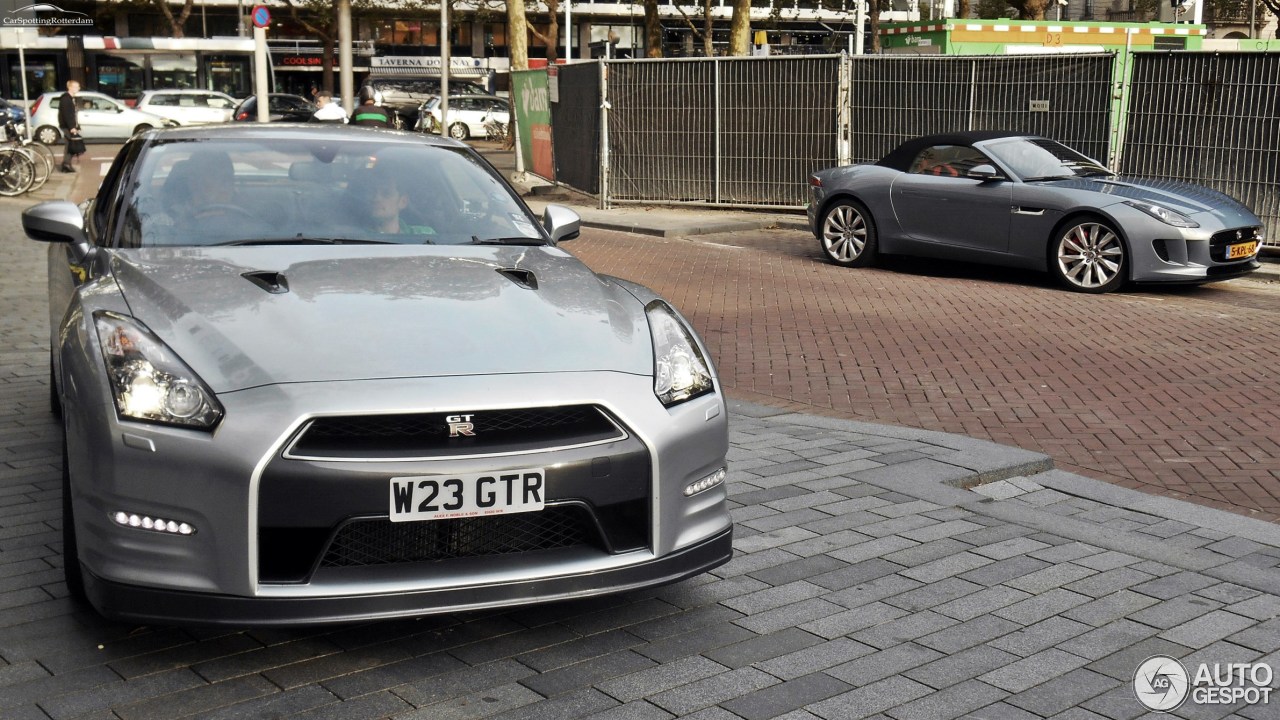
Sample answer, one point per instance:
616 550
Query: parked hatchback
102 117
467 114
281 107
188 107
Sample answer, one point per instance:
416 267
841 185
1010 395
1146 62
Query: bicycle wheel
43 151
17 172
40 164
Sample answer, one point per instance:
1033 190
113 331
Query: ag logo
460 425
1161 683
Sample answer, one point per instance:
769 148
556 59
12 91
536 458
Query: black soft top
901 157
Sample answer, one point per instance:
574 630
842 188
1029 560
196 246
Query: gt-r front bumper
250 499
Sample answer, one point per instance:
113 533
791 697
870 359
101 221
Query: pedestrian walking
69 122
368 111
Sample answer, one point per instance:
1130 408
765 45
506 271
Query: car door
100 117
936 202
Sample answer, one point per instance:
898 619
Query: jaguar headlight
1163 214
149 382
680 371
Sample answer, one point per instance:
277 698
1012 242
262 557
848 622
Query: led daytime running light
706 483
146 522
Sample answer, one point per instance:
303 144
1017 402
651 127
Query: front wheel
1088 256
141 128
48 135
848 234
72 574
459 131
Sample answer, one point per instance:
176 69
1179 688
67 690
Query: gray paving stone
1235 547
946 567
871 699
883 664
1206 630
815 659
1121 664
1264 637
1262 607
1116 704
1054 576
926 552
695 641
941 530
771 539
651 681
977 631
717 689
290 704
784 697
789 616
935 593
1175 611
903 629
911 507
636 710
773 597
952 702
744 563
1019 676
482 703
851 621
829 543
791 519
1065 552
585 673
1228 593
762 647
1040 607
1110 608
981 602
961 666
872 549
1001 711
1107 639
798 569
1012 547
574 705
1045 634
1064 692
854 575
201 698
1004 570
1171 586
1108 581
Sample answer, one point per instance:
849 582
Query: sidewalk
879 571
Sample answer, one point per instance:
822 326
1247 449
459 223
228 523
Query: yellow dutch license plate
1243 250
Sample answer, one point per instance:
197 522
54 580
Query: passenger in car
386 205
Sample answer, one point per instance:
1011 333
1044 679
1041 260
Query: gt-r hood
1186 198
330 313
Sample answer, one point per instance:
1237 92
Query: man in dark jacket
69 122
368 112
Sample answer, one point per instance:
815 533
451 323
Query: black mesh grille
381 542
433 434
1219 243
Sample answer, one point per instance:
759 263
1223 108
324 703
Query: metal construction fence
747 132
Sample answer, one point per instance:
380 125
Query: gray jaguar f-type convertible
321 374
1025 201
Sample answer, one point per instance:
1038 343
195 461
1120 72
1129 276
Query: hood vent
271 281
523 278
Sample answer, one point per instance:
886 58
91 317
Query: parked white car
188 107
102 117
468 113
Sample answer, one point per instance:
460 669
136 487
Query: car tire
1088 255
459 131
55 403
848 234
141 128
48 135
72 573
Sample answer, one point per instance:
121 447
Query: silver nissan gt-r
1024 201
317 374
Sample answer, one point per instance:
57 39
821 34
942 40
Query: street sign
261 16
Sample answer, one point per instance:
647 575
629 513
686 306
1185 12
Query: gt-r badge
460 425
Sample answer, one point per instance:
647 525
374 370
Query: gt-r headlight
149 382
680 371
1163 214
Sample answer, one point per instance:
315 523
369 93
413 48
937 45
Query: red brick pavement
1172 391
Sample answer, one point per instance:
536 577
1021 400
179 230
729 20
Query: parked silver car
101 118
1025 201
313 373
188 107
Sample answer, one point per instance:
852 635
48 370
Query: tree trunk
963 9
326 65
652 30
1035 9
708 49
873 7
552 38
517 35
740 28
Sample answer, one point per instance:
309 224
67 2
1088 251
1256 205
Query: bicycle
498 131
41 156
17 171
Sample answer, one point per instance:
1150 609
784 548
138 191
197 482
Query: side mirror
561 223
984 173
59 221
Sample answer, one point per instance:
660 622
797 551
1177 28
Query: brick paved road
1174 391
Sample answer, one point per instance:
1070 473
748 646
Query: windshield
295 190
1042 159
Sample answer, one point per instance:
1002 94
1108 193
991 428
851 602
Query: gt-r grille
453 433
1219 243
367 542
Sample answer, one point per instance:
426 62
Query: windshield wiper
307 241
1048 177
475 240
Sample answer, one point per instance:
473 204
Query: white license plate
439 497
